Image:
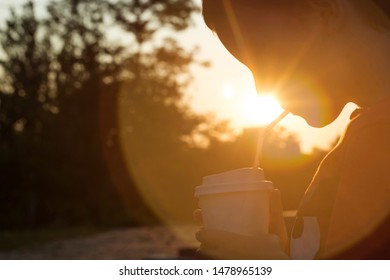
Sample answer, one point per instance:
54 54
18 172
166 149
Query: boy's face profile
299 52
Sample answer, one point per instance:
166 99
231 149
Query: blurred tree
88 66
66 72
26 107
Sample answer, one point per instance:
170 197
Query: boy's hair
375 12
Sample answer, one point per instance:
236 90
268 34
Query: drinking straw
263 133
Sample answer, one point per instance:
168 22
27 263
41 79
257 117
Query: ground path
127 244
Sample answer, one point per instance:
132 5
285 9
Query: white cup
236 201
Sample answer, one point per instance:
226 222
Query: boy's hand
225 245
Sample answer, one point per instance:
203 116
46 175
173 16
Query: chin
318 123
315 118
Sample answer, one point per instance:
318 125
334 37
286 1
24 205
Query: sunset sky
227 89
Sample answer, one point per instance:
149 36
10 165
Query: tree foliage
61 78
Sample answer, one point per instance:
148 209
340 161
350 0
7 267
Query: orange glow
259 109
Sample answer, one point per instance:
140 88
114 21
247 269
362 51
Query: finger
276 210
277 225
197 215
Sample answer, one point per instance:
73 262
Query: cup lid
243 179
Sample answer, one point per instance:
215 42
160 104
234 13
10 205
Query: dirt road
122 244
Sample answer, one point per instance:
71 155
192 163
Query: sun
249 108
260 109
227 91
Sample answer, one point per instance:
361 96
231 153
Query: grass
17 239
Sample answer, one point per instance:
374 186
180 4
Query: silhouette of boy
317 56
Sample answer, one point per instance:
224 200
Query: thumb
197 216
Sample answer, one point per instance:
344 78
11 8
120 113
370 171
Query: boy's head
309 52
375 12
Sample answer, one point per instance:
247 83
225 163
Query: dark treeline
94 129
59 89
